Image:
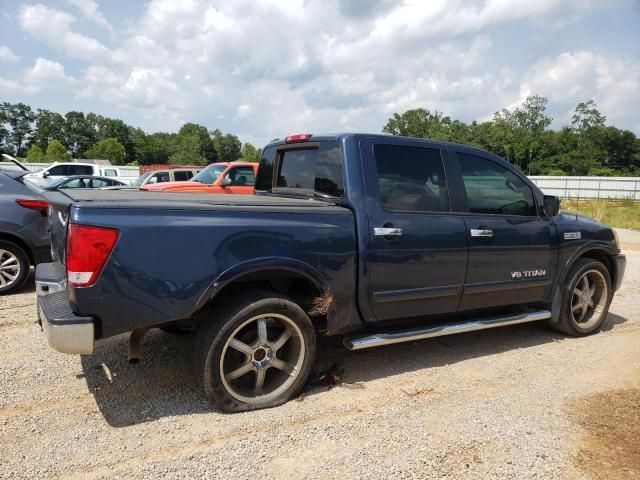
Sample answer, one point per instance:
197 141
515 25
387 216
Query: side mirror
551 205
45 174
226 181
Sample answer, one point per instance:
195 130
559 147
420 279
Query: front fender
563 270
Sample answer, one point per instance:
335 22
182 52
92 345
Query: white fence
590 187
128 172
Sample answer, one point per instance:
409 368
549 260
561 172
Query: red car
231 177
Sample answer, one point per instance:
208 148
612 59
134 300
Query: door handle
481 232
387 232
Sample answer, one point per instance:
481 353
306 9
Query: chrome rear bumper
66 332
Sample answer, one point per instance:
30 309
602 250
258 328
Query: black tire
10 250
594 317
216 359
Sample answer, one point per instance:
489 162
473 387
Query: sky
263 69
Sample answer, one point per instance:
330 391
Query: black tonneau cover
93 198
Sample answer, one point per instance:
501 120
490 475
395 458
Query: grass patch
615 213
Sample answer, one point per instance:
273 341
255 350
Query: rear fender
258 265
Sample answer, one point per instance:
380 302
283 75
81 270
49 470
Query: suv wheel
14 267
256 353
586 298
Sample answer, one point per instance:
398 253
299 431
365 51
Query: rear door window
181 176
411 179
80 170
314 169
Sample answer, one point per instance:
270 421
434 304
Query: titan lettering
528 274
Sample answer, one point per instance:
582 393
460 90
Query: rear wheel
14 267
586 298
257 352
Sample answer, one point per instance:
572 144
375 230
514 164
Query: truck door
512 255
417 253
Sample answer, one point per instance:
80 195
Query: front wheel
257 352
586 298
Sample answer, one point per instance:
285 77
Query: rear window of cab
309 168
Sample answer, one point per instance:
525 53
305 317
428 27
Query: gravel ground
492 404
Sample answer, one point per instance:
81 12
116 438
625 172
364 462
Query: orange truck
230 177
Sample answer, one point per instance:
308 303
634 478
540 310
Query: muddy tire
256 350
14 267
585 299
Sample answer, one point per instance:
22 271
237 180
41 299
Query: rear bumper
620 262
66 332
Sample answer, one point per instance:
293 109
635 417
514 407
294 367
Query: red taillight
39 205
87 251
302 137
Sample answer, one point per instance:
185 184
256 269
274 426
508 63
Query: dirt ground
515 402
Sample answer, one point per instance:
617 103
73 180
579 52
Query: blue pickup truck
377 238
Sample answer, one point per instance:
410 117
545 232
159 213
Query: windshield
140 180
209 174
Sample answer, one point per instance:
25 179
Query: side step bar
379 339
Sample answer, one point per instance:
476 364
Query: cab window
411 179
241 177
59 170
160 177
110 172
312 169
493 189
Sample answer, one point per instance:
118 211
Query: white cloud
54 28
46 72
91 10
574 77
263 69
7 55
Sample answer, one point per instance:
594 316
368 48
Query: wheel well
299 288
21 243
603 258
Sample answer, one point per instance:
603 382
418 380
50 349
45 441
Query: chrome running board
387 338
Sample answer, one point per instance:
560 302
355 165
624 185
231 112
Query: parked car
166 175
58 171
233 177
386 239
85 181
24 235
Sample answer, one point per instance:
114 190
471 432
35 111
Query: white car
57 171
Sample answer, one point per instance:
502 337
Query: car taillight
39 205
301 137
87 251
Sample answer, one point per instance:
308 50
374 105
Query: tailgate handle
481 232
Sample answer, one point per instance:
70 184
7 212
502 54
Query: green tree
228 147
249 153
49 126
207 146
56 152
80 132
108 149
35 154
116 128
188 151
18 118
